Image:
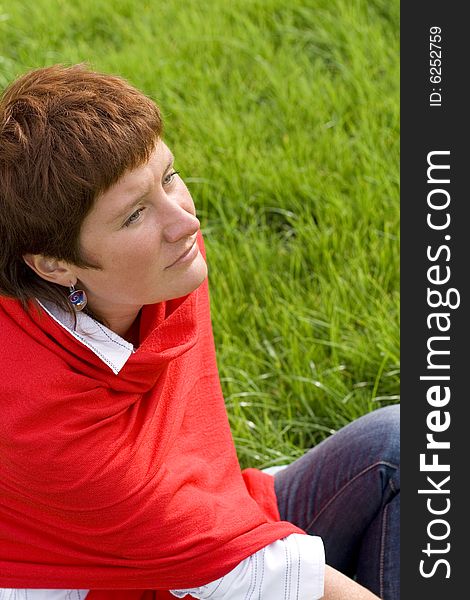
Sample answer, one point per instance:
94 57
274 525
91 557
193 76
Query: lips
187 251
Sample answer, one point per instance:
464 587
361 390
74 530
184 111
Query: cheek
139 253
131 263
128 253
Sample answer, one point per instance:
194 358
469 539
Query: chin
191 280
197 277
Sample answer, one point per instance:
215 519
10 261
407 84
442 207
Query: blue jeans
347 491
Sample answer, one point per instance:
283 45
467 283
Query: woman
118 473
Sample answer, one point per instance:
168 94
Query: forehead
136 180
144 173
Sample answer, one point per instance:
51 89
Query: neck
125 323
132 335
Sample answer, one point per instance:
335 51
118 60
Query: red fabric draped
128 481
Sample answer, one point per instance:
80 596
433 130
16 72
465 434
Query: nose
181 221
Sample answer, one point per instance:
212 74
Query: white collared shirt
292 568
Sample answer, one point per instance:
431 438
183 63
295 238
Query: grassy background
284 121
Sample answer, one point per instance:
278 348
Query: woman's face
137 231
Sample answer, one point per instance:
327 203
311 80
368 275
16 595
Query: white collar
110 347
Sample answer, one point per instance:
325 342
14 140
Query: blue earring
77 298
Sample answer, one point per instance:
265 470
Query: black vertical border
424 129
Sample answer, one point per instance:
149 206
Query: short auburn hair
67 133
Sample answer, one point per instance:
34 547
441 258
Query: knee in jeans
388 432
384 436
385 427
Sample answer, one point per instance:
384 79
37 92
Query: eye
169 178
134 217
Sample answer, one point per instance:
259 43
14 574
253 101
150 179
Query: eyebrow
132 203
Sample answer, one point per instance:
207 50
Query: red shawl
127 481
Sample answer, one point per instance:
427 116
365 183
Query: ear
51 269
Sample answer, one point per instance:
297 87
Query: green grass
284 118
